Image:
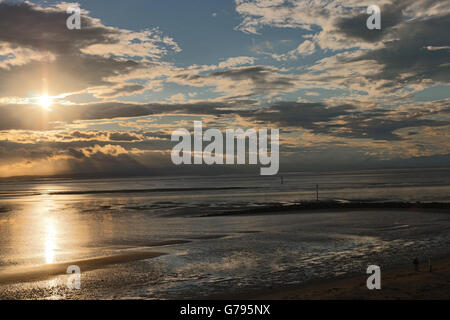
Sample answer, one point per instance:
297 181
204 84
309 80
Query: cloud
306 48
345 120
120 90
42 54
123 136
177 98
33 117
241 81
408 54
306 128
236 61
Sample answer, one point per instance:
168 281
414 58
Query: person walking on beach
416 264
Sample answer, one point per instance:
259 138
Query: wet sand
43 272
401 283
226 256
164 243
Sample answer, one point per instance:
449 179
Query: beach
401 283
209 238
296 255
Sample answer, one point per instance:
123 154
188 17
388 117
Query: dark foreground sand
400 283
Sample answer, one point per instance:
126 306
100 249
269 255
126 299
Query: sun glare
45 102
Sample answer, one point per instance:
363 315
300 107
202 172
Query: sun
45 102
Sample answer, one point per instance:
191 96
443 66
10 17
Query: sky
106 98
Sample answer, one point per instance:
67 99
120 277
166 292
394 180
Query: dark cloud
87 158
411 56
75 153
263 79
13 116
13 151
300 114
383 128
342 121
123 136
59 60
24 117
128 88
25 25
413 49
355 26
83 135
101 162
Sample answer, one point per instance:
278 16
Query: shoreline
397 283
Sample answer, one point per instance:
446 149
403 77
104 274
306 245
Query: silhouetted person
416 264
429 265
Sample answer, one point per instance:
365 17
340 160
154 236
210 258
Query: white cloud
306 48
